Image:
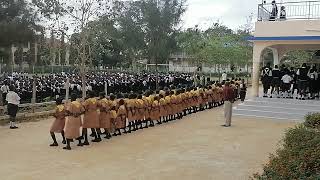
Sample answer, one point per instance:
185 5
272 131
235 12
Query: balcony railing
294 11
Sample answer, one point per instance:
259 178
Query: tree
298 57
80 13
161 20
218 45
131 34
18 25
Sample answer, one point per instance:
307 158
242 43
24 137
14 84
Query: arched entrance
279 47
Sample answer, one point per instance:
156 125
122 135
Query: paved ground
196 147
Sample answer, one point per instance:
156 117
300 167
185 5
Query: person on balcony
274 12
283 14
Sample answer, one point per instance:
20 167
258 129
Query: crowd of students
284 82
52 86
124 113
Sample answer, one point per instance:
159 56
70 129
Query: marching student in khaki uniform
105 115
179 104
168 107
163 109
59 122
220 95
210 97
73 123
149 102
113 114
121 117
140 111
195 100
189 100
131 110
155 110
91 119
173 104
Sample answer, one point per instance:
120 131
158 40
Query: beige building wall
293 28
287 28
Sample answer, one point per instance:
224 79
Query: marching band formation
124 113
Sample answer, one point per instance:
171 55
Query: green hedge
313 120
299 158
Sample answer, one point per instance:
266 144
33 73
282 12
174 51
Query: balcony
306 10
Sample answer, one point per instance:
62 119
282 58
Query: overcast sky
232 13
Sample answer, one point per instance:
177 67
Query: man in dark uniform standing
266 77
276 81
302 80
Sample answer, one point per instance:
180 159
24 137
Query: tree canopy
111 33
18 22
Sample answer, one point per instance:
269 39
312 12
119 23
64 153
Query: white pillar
35 53
256 69
13 50
67 55
275 56
67 86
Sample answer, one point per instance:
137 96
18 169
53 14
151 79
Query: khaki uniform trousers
228 112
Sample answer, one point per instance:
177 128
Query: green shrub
299 158
312 120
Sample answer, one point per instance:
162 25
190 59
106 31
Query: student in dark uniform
302 81
274 12
276 81
292 73
243 90
313 76
266 78
13 100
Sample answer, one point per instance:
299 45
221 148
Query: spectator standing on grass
228 94
224 76
13 100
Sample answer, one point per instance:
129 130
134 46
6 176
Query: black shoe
225 125
92 135
13 127
67 148
64 142
54 144
107 137
80 144
86 143
96 140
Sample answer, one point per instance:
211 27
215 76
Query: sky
231 13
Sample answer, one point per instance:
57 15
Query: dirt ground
196 147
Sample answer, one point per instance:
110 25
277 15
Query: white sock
10 123
13 124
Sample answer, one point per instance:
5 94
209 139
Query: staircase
280 109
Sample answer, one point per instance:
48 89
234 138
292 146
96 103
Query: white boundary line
245 105
282 103
267 117
270 112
